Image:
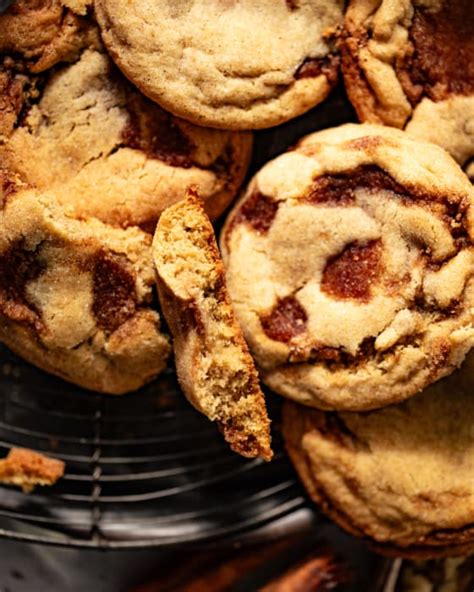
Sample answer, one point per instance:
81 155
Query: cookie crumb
26 469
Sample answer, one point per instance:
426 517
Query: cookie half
411 65
232 65
76 295
105 151
402 476
213 363
350 263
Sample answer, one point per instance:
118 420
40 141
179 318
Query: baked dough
76 295
214 367
234 65
350 263
402 476
410 64
105 151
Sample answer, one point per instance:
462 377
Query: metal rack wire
141 470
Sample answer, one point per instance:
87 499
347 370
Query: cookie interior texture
411 65
114 155
76 296
213 364
233 65
350 263
402 476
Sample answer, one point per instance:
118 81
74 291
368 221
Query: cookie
28 469
454 574
232 65
411 65
42 33
214 367
34 36
350 263
403 476
104 151
76 296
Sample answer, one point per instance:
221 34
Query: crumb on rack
27 469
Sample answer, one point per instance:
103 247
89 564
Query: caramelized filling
114 290
11 100
340 189
313 67
442 63
156 133
292 4
352 274
18 267
286 321
259 211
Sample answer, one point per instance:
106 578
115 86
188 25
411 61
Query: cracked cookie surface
401 476
234 65
114 155
350 264
76 296
411 65
214 366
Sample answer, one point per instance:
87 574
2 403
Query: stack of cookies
345 275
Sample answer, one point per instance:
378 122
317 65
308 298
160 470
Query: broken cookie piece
213 363
27 469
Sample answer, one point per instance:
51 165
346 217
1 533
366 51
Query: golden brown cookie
402 476
213 363
232 65
34 36
350 264
42 33
76 296
103 150
410 64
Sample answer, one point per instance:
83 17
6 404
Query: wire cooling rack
141 470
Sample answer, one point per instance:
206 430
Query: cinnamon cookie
233 65
103 150
350 263
44 32
76 296
115 156
213 363
401 476
411 65
34 36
